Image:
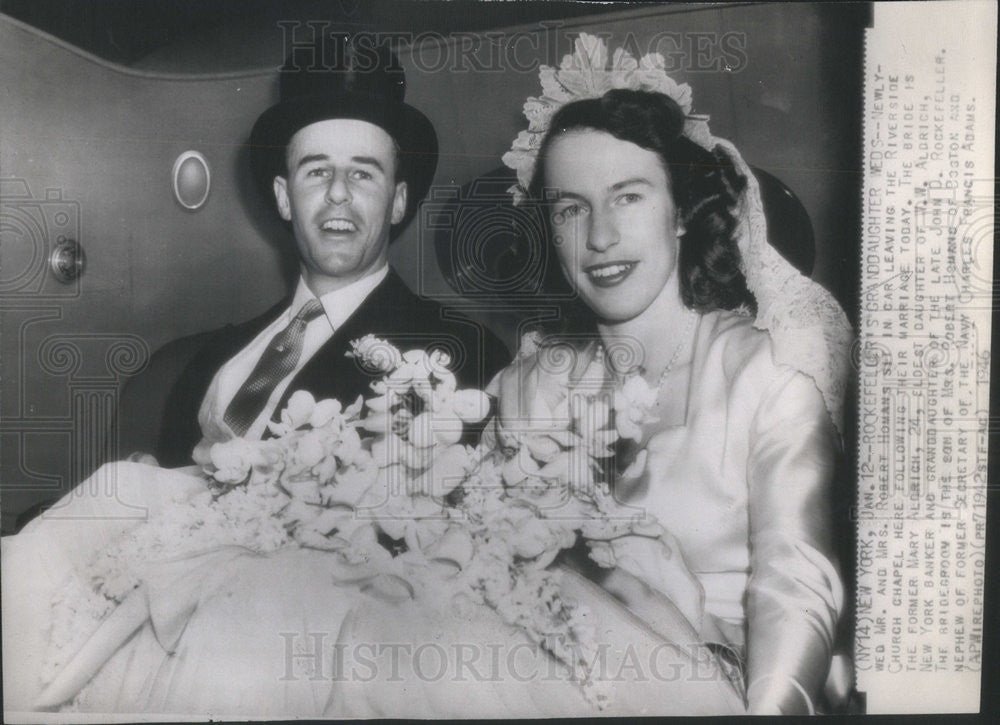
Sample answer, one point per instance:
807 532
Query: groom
347 162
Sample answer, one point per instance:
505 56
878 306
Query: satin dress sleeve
740 473
794 594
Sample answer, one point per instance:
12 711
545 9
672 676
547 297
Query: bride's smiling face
614 222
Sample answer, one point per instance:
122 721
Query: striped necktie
277 362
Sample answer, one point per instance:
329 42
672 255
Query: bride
659 230
651 218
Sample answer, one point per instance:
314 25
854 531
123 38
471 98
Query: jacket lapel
330 373
179 429
233 338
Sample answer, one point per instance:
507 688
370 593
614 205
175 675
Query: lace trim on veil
809 329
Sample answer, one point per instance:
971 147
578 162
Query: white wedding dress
291 634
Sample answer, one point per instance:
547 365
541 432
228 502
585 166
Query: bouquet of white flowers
392 487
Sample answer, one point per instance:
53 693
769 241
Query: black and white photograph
425 359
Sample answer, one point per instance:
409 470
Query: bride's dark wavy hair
705 187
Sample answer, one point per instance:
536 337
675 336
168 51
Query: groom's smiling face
342 197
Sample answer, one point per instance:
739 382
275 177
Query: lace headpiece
808 327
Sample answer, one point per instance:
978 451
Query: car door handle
67 260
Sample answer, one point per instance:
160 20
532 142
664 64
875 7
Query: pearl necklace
681 344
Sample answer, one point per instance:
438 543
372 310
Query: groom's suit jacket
391 312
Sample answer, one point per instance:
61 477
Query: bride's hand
141 457
658 562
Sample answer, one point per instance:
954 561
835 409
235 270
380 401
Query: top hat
351 78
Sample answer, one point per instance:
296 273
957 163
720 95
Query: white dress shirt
337 306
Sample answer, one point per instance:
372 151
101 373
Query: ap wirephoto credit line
924 350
